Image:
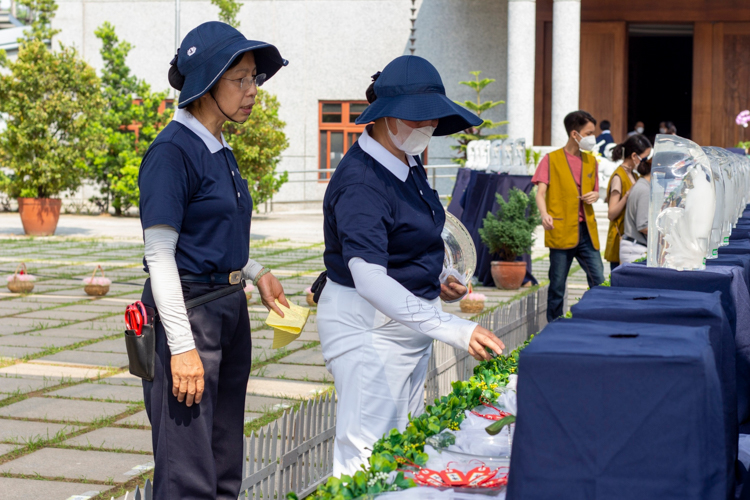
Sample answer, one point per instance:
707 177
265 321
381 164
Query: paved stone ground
72 420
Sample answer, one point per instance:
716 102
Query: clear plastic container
683 203
717 158
460 259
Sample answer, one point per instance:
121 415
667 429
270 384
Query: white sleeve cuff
251 270
161 242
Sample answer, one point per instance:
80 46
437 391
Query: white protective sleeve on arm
161 242
251 270
391 298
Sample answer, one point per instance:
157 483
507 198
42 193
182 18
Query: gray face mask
662 130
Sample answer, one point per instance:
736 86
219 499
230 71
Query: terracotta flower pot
508 275
39 216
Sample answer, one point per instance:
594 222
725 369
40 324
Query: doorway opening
660 77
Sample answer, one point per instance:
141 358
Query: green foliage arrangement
52 105
130 125
228 10
478 107
390 452
257 145
510 232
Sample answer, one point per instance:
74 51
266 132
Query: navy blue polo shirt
372 214
200 194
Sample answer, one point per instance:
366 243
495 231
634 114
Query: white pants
379 369
631 251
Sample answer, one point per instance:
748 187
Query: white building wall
333 47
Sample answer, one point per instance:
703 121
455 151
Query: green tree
131 121
228 10
39 17
51 102
478 107
257 145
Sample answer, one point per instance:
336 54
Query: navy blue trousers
559 266
198 450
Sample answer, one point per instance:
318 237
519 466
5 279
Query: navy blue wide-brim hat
410 88
208 50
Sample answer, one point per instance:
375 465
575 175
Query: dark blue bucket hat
410 88
208 50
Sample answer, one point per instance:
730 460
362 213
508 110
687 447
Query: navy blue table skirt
610 411
683 308
474 196
736 247
730 281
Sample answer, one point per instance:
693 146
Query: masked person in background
380 309
632 153
634 244
638 129
567 183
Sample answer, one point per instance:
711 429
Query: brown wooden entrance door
603 87
721 82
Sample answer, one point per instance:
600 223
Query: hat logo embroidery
191 51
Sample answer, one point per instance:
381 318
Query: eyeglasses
248 81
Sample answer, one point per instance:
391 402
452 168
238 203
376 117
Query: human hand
547 222
452 290
187 377
270 289
481 338
590 197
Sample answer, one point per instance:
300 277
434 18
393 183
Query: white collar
184 117
606 132
385 157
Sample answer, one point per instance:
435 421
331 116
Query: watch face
460 253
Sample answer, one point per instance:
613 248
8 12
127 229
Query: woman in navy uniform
195 211
380 309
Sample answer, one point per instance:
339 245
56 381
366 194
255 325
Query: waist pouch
319 285
142 348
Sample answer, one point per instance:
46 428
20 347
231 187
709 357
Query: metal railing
295 453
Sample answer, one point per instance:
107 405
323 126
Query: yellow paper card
289 327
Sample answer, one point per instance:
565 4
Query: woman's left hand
271 290
452 291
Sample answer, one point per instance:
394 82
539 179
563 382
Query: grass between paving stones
271 416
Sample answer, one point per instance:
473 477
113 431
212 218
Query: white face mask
412 141
639 130
662 130
587 143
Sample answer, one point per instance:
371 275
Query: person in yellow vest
567 182
632 152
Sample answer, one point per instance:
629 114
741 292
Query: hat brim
268 60
420 107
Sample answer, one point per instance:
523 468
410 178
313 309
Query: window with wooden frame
338 132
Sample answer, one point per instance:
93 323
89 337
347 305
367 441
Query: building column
521 64
566 57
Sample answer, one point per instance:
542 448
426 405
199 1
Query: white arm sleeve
161 242
251 270
391 298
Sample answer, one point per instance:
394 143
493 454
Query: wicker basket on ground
471 306
21 281
97 287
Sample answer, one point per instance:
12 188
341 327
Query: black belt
628 238
233 278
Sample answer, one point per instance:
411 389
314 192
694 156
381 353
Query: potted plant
508 234
51 102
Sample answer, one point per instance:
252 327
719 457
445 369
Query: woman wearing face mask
632 152
634 243
380 309
195 211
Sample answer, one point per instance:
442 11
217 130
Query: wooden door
721 82
603 84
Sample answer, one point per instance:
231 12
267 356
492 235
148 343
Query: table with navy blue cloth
611 410
740 260
735 301
736 247
683 308
474 196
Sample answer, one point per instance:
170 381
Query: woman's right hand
482 338
187 377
